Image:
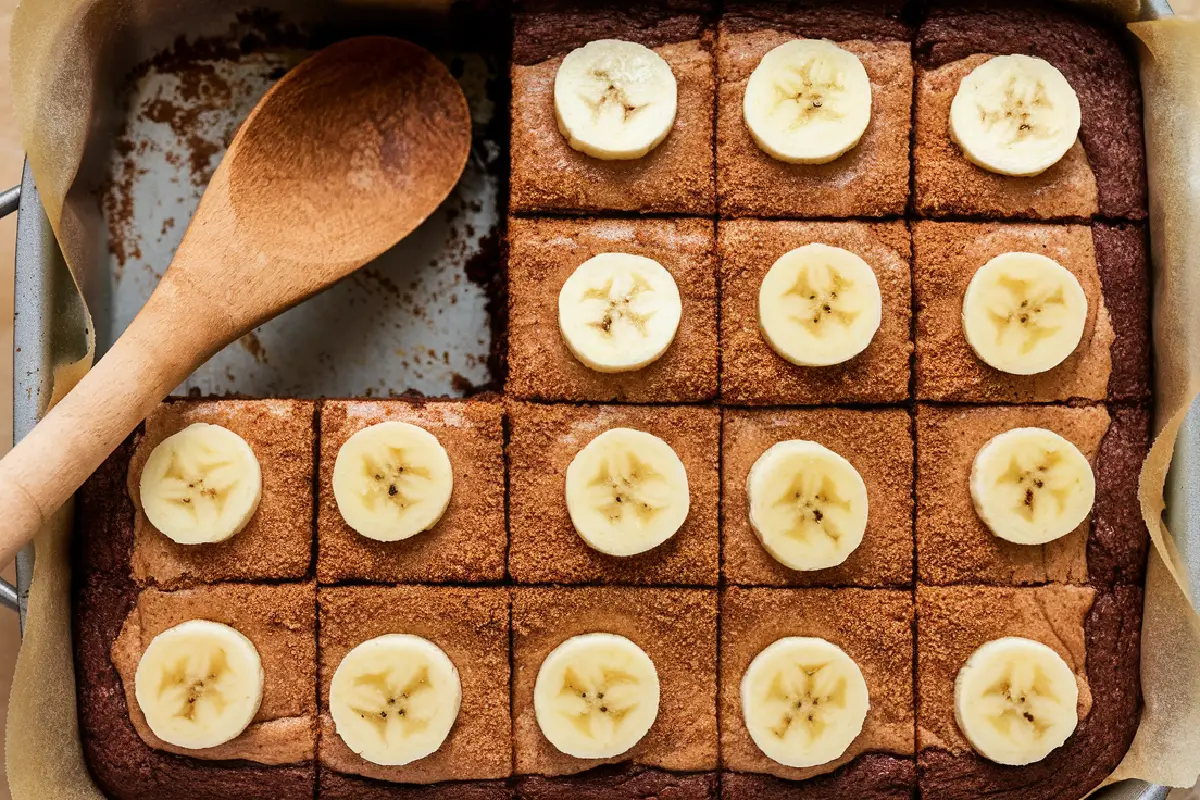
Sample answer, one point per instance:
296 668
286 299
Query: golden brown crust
677 628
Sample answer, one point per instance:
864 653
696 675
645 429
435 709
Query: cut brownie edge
1113 634
339 786
620 782
871 776
550 29
1118 540
1122 259
872 20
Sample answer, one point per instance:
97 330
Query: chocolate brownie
336 786
871 776
620 782
1107 176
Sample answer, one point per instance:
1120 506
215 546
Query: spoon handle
154 355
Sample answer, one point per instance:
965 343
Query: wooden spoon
342 159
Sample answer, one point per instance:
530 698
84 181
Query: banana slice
807 102
1015 701
819 305
1015 115
804 701
596 695
619 312
200 485
808 505
395 698
614 100
627 492
199 684
1024 313
392 480
1032 486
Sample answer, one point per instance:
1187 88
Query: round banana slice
394 698
1024 313
1032 486
808 505
627 492
1015 115
200 485
392 480
819 305
1015 701
619 312
596 695
804 701
807 102
614 100
199 684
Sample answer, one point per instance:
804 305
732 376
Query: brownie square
467 543
879 445
547 174
471 625
875 628
544 252
753 373
545 546
677 628
1104 173
276 543
280 620
946 257
872 179
1097 633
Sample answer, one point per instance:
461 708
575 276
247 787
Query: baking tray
416 319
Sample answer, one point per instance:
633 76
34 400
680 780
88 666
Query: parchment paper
67 57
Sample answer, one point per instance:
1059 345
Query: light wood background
11 158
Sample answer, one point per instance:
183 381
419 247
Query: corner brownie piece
546 548
544 252
879 445
955 546
472 626
548 174
1112 359
1103 174
677 628
1098 635
875 628
276 543
872 179
753 373
467 543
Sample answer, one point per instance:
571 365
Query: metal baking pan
390 329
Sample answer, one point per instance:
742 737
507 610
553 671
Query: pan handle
8 596
9 200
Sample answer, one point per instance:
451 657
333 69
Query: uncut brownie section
1104 173
878 443
753 373
544 252
677 628
467 544
872 179
276 543
547 174
874 627
545 547
1096 632
471 625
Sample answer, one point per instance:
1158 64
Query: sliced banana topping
807 102
1015 115
1015 700
614 100
596 695
804 701
1032 486
819 305
395 698
619 312
392 481
808 505
1024 313
627 492
202 484
199 684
